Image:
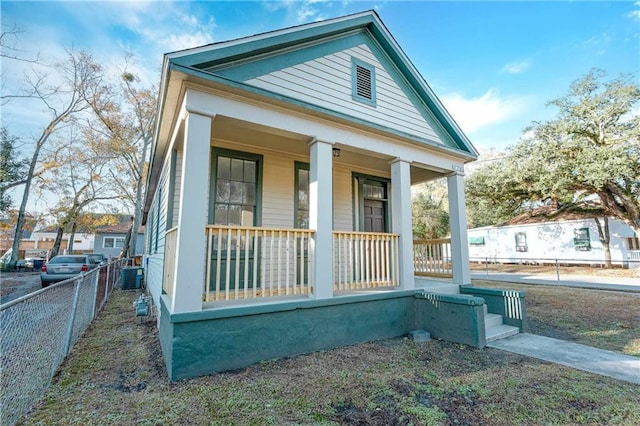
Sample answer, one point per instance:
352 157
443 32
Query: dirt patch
18 284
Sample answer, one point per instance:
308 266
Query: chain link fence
37 332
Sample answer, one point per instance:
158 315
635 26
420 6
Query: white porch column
401 220
192 219
458 223
321 217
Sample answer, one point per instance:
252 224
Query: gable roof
230 65
233 62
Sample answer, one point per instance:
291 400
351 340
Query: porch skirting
209 341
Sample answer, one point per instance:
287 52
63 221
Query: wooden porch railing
169 279
364 260
248 262
432 258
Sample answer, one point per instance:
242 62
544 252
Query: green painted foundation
214 340
509 304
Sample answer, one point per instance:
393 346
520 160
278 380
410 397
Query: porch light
336 152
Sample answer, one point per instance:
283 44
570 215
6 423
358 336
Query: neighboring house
110 239
572 241
278 206
45 238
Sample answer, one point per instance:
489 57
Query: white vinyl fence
37 332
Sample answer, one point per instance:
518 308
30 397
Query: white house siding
327 82
176 189
549 241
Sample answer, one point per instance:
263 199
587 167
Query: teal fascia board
434 113
240 51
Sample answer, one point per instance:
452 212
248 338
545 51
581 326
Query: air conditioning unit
131 278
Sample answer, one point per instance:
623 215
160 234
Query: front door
374 216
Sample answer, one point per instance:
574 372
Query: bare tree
127 118
61 91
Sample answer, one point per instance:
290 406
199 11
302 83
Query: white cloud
517 67
635 14
475 113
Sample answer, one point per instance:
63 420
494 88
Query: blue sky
493 64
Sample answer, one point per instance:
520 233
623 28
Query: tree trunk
605 238
126 249
58 241
72 236
137 214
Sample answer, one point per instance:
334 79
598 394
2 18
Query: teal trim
361 178
172 190
356 96
297 166
281 60
476 241
268 44
510 304
283 98
215 152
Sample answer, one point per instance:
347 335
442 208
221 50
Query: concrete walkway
582 281
581 357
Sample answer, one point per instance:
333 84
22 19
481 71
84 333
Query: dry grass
115 375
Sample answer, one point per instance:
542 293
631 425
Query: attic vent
364 82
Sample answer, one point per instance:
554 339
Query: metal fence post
96 282
486 265
557 271
73 316
106 283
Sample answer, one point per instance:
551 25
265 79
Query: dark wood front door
374 216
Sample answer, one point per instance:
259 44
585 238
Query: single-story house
278 202
109 239
568 240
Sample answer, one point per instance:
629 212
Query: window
236 186
363 80
581 240
301 209
633 243
476 241
113 242
521 241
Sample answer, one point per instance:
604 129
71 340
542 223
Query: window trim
355 63
521 248
298 165
114 246
582 244
213 176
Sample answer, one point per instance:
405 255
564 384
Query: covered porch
258 214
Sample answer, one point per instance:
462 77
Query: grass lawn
115 375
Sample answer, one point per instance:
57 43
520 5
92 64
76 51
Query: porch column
321 217
458 223
194 198
401 220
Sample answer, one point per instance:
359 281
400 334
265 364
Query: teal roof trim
277 96
237 51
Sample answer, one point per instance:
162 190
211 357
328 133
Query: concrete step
492 320
500 332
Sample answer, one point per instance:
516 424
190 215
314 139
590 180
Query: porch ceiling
246 133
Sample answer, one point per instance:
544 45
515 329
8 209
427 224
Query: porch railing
432 258
248 262
364 260
169 281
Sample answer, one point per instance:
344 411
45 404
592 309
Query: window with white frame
113 242
633 243
582 240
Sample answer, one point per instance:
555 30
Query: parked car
97 258
63 267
